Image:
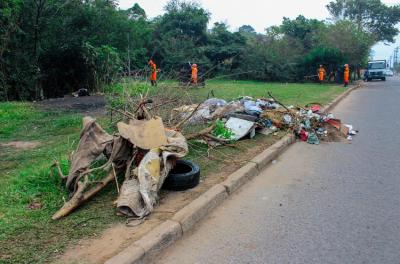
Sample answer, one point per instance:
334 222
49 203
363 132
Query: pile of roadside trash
246 116
148 154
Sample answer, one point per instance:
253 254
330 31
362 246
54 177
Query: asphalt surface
333 203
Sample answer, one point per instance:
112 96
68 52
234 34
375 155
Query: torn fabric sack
92 143
139 193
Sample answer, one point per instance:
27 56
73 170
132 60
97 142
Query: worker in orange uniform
194 74
346 75
153 73
321 74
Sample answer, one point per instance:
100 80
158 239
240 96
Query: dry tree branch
129 165
80 196
115 177
58 167
180 124
104 166
127 114
270 94
220 140
201 133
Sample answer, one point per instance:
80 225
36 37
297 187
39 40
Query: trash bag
252 108
312 138
232 107
203 114
214 103
303 135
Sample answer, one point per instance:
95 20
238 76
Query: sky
260 14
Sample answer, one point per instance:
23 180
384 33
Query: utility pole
396 56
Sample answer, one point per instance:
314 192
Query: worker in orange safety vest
153 73
321 74
346 75
194 74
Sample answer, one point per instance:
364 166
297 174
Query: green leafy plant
221 131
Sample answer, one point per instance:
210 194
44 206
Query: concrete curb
150 245
192 213
153 243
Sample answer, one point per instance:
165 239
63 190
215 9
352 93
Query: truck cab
376 70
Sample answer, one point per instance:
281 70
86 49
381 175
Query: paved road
334 203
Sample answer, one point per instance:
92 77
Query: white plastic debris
352 132
287 119
239 127
252 107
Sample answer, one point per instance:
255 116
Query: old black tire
185 175
384 79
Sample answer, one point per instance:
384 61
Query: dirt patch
21 144
118 237
333 135
86 104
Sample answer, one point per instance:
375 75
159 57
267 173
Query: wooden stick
164 103
129 165
81 196
201 133
127 114
220 140
269 93
179 125
60 173
115 177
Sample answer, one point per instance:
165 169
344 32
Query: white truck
376 70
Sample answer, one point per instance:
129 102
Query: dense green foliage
52 47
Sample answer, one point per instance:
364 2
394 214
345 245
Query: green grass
290 93
30 236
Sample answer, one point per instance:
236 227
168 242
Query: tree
48 50
354 45
303 29
9 13
271 57
247 29
9 24
224 45
371 16
180 35
136 12
330 58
